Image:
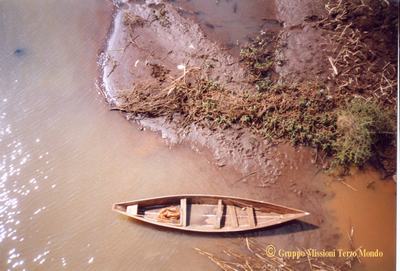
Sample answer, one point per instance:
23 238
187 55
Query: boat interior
209 214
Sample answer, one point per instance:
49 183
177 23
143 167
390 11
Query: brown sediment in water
149 74
364 210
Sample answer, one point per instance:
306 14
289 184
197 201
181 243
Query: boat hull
208 213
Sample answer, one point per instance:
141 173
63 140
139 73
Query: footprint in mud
19 52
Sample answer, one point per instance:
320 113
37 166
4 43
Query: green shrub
363 126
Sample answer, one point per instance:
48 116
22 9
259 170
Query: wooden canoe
208 213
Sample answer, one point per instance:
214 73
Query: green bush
363 126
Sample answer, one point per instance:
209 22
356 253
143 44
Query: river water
366 207
65 158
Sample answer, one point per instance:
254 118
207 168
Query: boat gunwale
300 213
209 196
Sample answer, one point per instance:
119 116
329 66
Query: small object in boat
208 213
169 213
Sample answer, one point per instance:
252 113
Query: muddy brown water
367 206
230 22
66 158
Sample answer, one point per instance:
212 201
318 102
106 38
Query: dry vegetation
364 61
364 71
253 256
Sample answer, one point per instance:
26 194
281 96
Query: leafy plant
363 126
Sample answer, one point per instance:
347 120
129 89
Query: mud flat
169 68
292 80
152 56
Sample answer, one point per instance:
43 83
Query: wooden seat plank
218 216
132 209
250 215
233 216
184 212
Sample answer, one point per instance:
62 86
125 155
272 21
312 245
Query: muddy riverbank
149 74
285 84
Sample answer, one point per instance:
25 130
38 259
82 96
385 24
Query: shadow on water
19 52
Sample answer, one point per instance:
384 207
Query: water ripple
14 187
